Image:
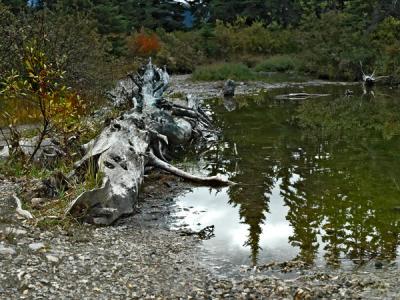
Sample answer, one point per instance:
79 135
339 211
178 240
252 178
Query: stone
7 250
15 231
38 202
52 258
36 246
229 88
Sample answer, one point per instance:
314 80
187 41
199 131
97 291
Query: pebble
7 250
52 258
36 246
38 202
15 231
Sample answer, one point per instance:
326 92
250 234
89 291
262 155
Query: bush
235 71
237 39
53 105
144 44
386 39
333 47
68 40
278 63
178 51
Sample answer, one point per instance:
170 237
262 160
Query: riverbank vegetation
95 42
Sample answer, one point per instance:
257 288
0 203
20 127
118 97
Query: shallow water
318 179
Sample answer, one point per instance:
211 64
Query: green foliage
238 38
333 47
178 52
225 71
15 167
386 39
278 63
281 12
68 40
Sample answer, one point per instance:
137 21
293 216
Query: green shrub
386 39
223 71
239 38
177 52
278 63
333 47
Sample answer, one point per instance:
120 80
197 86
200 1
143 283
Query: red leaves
146 44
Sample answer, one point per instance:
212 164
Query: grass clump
223 71
278 63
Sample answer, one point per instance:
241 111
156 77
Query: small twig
5 138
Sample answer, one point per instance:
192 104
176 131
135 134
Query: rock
229 88
48 153
38 202
4 152
14 231
7 250
36 246
52 258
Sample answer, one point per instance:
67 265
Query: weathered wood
141 136
212 180
19 210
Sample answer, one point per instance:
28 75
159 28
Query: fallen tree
141 136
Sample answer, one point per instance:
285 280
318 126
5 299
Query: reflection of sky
211 207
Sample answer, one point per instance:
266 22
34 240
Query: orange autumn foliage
146 44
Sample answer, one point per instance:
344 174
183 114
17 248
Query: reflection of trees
362 136
304 214
338 172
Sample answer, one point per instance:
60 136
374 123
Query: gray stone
36 246
38 202
15 231
7 250
52 258
229 88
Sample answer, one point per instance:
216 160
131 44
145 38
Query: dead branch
212 180
22 212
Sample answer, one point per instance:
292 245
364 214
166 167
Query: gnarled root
212 180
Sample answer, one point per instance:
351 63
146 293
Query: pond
318 180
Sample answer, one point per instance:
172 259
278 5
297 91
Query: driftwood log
142 136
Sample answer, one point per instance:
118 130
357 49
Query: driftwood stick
212 180
22 212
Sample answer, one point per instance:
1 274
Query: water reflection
330 164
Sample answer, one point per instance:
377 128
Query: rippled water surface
318 179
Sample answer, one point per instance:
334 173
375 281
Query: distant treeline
326 39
